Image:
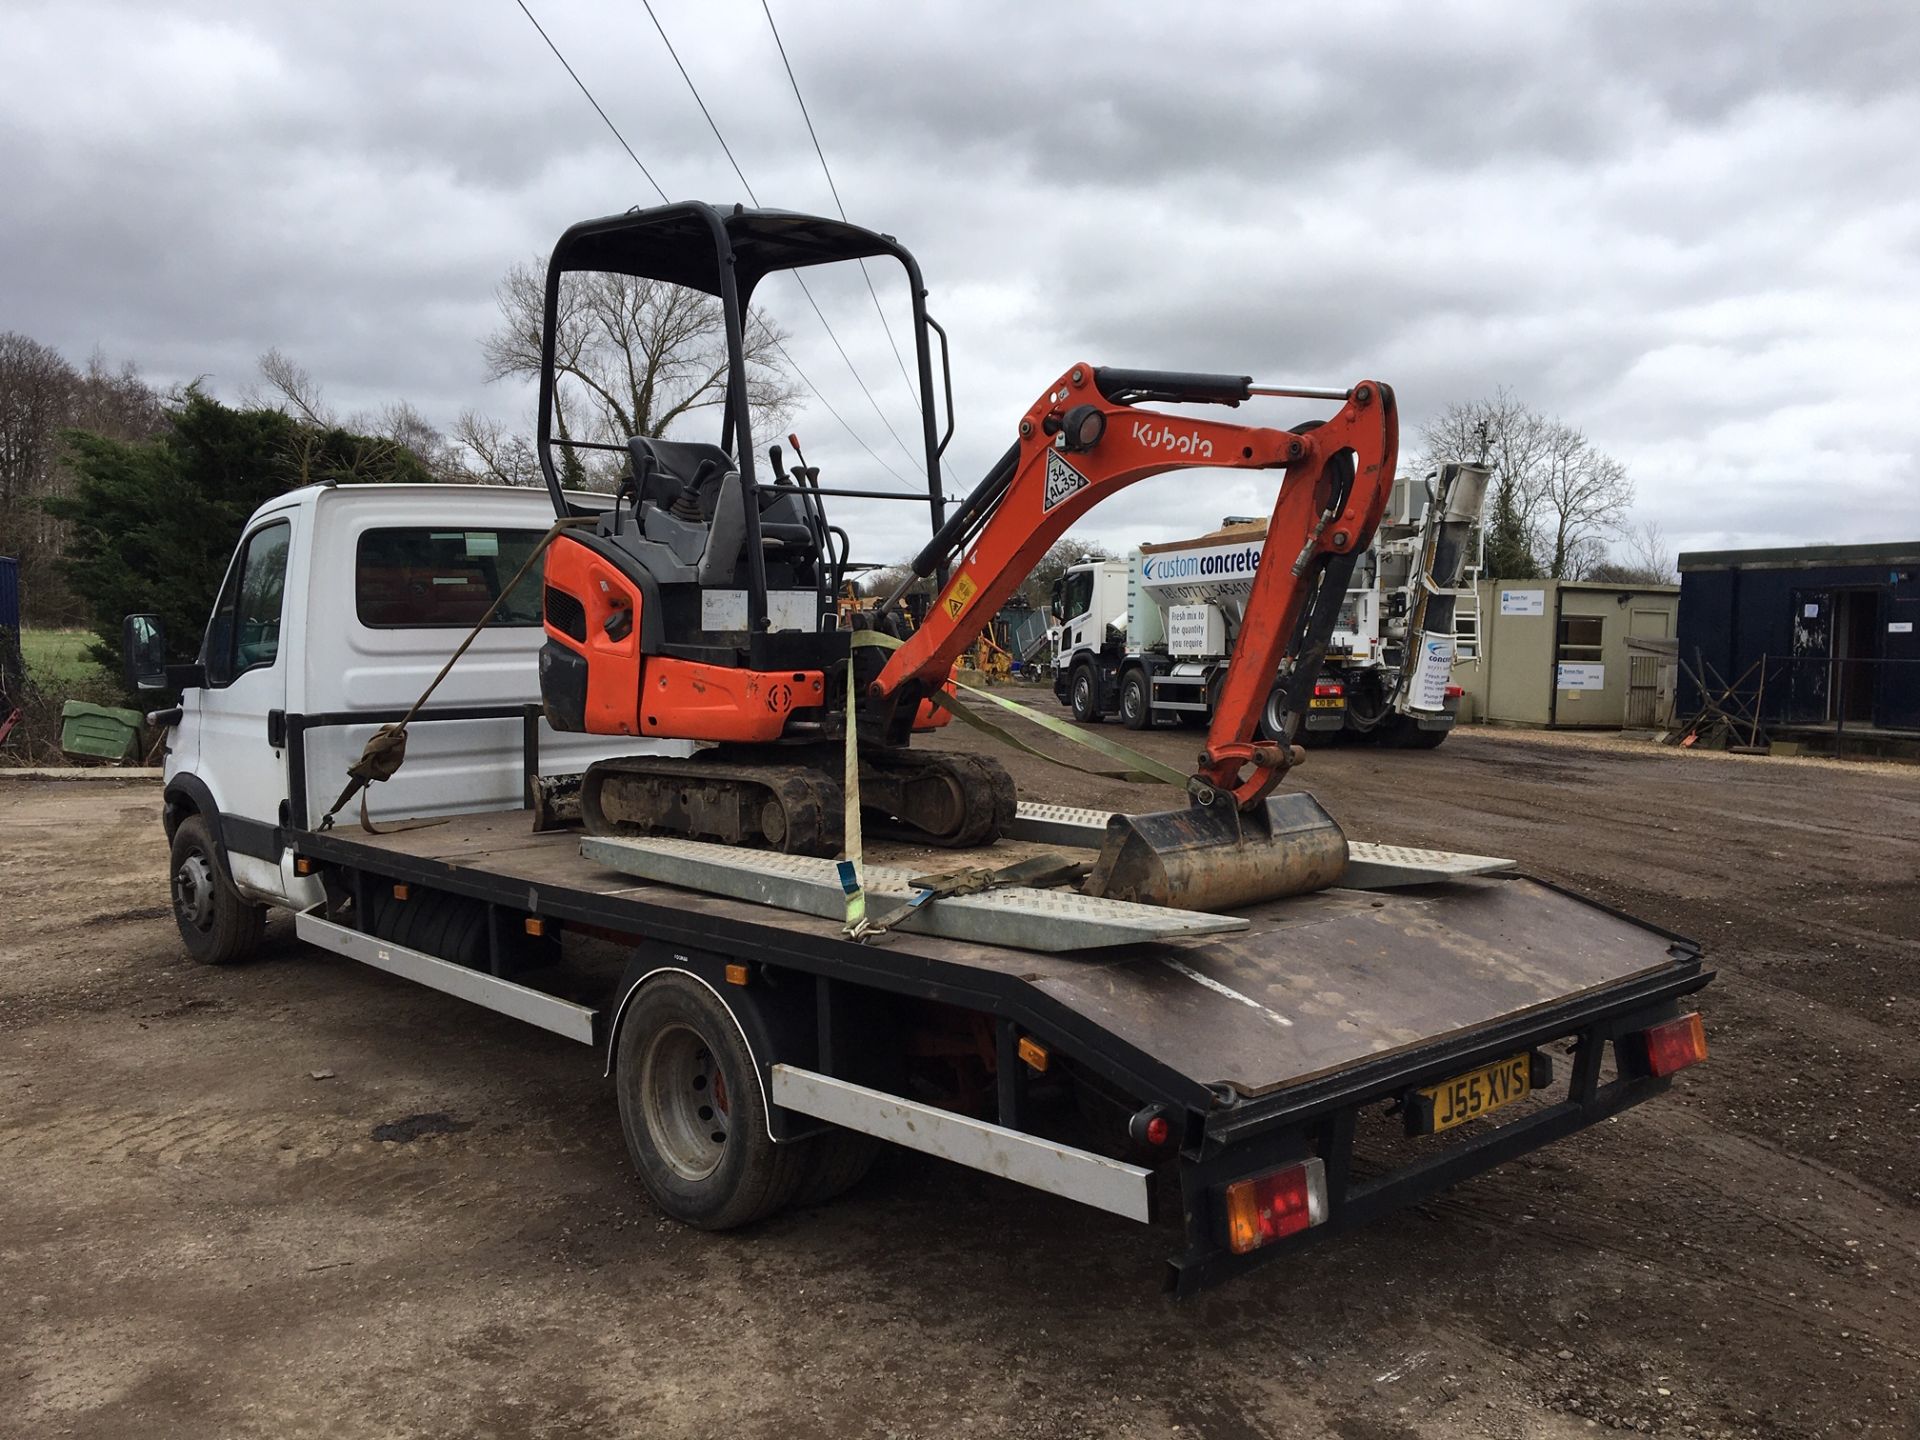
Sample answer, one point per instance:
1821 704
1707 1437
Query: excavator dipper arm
1078 446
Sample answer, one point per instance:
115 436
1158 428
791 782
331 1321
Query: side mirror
1053 602
143 650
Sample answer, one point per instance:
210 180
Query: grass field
57 659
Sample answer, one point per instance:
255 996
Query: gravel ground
202 1235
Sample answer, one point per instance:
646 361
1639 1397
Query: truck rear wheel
219 925
1277 723
692 1112
836 1162
1136 701
1083 693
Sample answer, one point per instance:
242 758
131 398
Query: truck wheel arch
768 1034
188 795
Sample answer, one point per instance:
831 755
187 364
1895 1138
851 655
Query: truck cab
1090 604
272 710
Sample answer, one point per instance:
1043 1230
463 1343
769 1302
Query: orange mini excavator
702 603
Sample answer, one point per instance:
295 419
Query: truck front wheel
1136 701
691 1109
218 924
1083 690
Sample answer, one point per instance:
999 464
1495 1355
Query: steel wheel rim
193 891
1277 715
1082 692
1131 701
683 1096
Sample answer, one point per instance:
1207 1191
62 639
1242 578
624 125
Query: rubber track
809 800
991 800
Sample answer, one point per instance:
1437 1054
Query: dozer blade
1215 857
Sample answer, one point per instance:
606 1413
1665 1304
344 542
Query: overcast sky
1692 230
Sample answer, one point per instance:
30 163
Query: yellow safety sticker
962 590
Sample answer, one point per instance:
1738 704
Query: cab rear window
413 577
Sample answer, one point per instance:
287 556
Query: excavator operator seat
689 515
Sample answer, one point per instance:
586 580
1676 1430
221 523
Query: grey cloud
1686 228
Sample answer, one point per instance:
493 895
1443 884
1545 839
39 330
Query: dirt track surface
198 1237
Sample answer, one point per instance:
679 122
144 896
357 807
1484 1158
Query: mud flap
1216 857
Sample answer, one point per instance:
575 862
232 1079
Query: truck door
246 678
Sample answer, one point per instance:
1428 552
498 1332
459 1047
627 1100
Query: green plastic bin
98 732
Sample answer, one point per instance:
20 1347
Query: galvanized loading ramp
1057 921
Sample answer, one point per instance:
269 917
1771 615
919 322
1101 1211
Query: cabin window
421 577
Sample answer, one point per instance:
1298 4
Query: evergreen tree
155 521
1509 552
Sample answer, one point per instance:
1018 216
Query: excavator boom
1081 442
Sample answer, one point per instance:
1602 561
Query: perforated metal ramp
1369 866
1025 919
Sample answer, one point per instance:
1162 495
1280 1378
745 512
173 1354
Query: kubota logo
1163 437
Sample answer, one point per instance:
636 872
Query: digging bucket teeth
1215 857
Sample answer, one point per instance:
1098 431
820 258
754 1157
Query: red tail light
1324 688
1454 692
1270 1207
1674 1045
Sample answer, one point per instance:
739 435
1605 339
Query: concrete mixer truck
1148 638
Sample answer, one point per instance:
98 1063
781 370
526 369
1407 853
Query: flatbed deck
1316 985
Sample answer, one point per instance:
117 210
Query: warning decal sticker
1062 480
963 590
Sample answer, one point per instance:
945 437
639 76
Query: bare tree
1554 500
634 356
298 391
398 423
1583 497
1644 558
502 456
41 395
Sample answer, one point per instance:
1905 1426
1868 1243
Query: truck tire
1083 694
692 1112
836 1162
1277 723
218 924
447 927
1136 701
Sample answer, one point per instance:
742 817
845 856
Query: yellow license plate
1331 702
1469 1096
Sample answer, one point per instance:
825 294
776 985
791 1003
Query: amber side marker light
738 974
303 866
534 926
1264 1208
1674 1045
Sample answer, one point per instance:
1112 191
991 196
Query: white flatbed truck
760 1057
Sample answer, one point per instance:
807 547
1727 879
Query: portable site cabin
1822 638
1558 652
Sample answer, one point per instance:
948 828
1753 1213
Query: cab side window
245 632
1077 595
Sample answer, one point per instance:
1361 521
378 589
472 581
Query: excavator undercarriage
791 799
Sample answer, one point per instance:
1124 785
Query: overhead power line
590 100
858 438
798 279
827 170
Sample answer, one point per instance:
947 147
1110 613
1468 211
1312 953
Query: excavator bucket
1217 857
